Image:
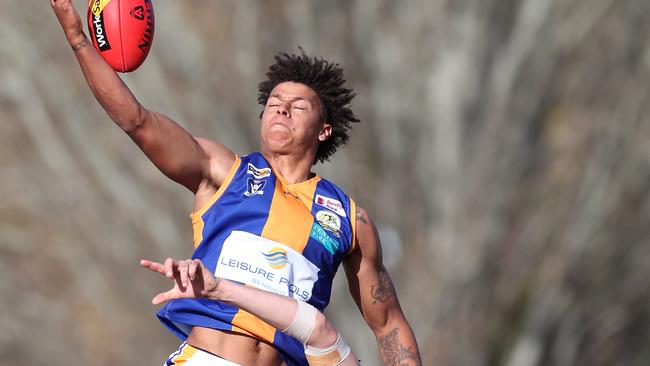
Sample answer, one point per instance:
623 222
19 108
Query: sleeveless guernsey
260 231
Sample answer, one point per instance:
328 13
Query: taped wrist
329 356
303 322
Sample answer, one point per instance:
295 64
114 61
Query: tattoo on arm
360 217
80 45
383 290
394 353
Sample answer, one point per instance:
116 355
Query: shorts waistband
188 355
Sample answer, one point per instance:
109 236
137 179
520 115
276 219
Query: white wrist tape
303 322
330 356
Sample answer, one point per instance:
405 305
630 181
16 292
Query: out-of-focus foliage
504 153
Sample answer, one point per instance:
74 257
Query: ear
325 132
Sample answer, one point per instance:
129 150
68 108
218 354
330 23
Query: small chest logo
320 235
330 203
254 187
329 222
258 173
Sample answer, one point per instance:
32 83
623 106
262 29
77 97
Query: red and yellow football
122 31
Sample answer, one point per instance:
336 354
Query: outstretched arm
192 280
373 291
170 147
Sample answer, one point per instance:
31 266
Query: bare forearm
107 87
274 309
374 292
170 147
397 345
279 311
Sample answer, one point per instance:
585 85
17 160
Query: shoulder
366 238
366 230
362 217
213 148
221 160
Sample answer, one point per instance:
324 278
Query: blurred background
504 153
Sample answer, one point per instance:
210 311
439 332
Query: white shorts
192 356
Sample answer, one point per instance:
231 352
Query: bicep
175 152
369 282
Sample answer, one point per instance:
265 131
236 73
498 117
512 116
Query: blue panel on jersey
292 351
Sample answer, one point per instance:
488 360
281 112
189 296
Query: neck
293 168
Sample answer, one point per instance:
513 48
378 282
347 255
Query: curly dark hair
326 80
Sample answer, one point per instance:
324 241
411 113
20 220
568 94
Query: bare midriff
236 347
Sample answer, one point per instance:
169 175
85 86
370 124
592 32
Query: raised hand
191 279
68 18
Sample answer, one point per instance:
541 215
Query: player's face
292 120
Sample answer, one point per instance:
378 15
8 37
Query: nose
283 110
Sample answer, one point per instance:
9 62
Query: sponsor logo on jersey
266 264
330 203
329 222
254 187
319 234
277 257
138 12
258 173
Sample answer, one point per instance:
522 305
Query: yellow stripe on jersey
237 329
185 355
290 220
197 228
353 223
197 217
245 320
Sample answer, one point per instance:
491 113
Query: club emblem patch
329 221
254 187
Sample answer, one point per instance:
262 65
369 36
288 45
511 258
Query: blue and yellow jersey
261 231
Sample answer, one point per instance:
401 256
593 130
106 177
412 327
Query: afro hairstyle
326 80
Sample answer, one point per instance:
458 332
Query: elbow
377 326
132 120
128 115
381 323
323 334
